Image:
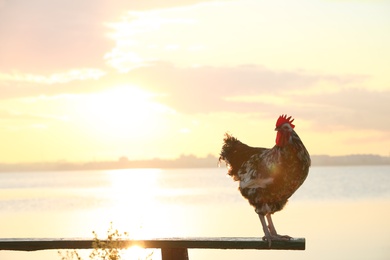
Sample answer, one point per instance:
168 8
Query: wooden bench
171 248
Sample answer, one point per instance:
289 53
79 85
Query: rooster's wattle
268 177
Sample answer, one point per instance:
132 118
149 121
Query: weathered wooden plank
34 244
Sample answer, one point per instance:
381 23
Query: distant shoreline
184 161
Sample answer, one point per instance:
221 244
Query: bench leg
174 254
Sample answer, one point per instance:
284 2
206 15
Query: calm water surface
342 212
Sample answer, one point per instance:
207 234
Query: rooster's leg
271 226
272 230
265 229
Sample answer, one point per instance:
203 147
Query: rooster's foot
276 238
283 237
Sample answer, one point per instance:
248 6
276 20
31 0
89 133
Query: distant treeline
184 161
354 159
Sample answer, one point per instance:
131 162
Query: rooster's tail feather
229 143
227 154
235 153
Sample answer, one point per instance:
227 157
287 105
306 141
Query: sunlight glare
122 111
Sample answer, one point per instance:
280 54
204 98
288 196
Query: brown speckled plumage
268 177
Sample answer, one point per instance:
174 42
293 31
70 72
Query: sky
97 80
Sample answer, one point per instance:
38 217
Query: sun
122 111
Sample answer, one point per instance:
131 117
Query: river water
343 212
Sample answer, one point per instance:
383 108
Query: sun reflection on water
133 202
133 193
135 187
137 252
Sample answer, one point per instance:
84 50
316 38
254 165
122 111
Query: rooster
268 177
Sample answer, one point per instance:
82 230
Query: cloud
15 115
354 108
19 85
327 101
142 37
47 35
158 4
64 77
205 89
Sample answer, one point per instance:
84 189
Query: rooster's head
284 127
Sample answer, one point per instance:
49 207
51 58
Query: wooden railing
171 248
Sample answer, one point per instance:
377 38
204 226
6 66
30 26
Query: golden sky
96 80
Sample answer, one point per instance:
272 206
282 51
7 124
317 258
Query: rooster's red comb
284 119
